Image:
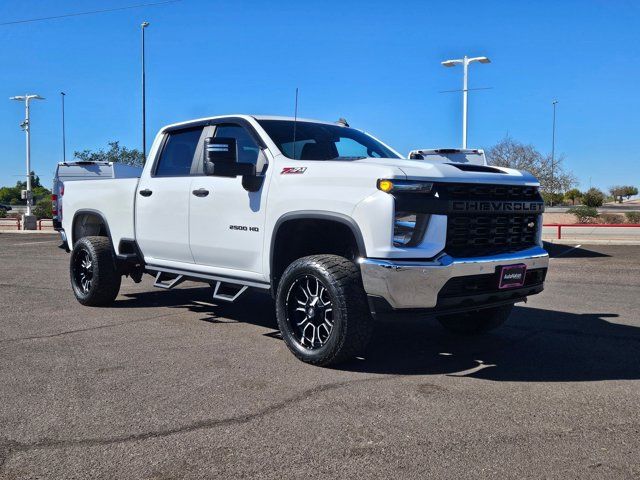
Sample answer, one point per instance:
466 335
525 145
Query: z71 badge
291 170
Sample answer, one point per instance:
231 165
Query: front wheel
322 309
94 276
475 322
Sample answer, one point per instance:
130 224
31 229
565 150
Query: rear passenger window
177 154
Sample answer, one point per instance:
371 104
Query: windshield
322 141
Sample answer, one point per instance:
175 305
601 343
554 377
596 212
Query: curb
589 241
27 232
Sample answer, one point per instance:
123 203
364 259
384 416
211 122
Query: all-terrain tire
337 281
476 322
94 275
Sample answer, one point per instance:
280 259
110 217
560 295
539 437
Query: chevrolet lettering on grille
469 206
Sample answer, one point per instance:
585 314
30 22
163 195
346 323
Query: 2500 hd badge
244 228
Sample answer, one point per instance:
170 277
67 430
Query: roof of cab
196 121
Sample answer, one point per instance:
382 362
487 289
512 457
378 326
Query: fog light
409 229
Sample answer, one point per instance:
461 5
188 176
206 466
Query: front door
162 203
226 221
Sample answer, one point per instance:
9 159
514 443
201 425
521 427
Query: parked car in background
5 208
471 156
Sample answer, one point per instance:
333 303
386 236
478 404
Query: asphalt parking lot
169 385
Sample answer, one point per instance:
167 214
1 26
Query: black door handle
201 192
146 192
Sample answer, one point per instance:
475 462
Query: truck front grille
482 233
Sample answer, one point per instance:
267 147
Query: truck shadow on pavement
569 251
535 345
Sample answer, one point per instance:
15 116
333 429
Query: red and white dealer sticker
293 170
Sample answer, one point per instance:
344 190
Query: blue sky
375 63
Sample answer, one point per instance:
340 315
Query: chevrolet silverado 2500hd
334 223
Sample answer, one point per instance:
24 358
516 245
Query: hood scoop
467 167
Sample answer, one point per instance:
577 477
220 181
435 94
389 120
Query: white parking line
564 253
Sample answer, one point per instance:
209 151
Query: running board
228 292
169 283
206 277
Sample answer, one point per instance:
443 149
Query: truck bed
112 199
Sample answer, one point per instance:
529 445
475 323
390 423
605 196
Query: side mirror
221 158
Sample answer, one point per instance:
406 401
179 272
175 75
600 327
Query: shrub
611 218
633 217
584 214
593 198
42 209
3 213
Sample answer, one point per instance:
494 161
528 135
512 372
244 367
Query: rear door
227 221
162 203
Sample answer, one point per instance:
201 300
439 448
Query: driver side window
178 152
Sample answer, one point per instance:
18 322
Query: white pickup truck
338 226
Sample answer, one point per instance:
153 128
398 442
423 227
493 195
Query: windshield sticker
290 170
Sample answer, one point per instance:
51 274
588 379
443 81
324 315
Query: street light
144 25
465 61
64 141
553 150
26 126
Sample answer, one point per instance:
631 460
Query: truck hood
448 172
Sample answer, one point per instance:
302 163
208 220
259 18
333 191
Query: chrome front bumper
411 284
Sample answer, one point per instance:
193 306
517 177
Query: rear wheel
322 309
475 322
94 276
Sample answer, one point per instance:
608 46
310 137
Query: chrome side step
168 283
228 292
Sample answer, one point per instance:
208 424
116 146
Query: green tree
573 195
12 195
630 192
593 198
620 191
115 153
7 194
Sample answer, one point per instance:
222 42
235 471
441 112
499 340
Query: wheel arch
81 227
344 222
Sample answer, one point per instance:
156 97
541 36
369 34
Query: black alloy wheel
310 311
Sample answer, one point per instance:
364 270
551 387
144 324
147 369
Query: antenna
295 121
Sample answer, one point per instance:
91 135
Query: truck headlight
409 228
408 186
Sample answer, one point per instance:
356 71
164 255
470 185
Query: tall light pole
26 126
553 150
465 61
64 141
144 25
